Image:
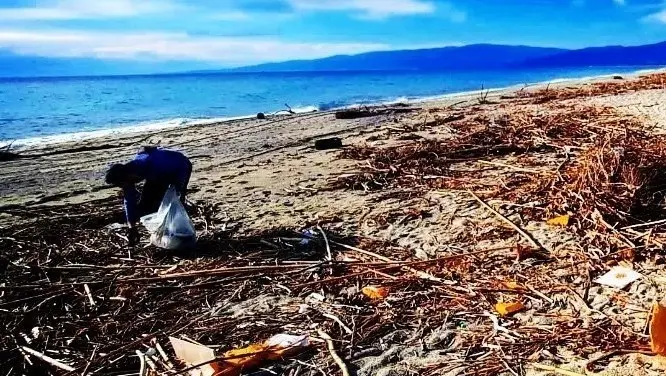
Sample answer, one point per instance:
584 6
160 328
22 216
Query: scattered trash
328 143
507 308
618 78
261 116
562 220
171 228
658 329
234 361
375 293
619 277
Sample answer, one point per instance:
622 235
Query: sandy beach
261 176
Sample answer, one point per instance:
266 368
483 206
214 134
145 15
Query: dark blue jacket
157 166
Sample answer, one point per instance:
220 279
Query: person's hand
133 236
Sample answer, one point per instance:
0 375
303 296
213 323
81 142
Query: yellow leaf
375 293
562 220
658 329
506 308
512 285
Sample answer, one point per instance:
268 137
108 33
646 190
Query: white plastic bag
170 228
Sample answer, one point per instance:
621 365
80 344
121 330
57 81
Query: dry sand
266 174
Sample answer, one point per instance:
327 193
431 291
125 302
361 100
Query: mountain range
478 57
470 57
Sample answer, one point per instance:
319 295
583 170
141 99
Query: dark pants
153 193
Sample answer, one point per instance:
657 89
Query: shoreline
36 142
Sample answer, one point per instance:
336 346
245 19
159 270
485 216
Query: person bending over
160 168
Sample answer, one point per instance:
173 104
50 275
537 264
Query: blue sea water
38 107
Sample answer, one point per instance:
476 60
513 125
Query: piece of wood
89 295
418 273
334 354
328 143
506 220
48 359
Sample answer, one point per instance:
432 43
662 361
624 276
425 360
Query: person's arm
131 197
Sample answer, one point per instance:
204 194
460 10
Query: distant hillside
651 54
478 56
13 65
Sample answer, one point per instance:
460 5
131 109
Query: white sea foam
111 131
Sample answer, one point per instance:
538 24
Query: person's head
118 175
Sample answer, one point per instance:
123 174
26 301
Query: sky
228 33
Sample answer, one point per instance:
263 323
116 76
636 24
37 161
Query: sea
34 110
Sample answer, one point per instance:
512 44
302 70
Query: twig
142 360
90 297
47 359
334 354
644 224
507 221
556 370
329 257
92 356
163 354
337 319
420 274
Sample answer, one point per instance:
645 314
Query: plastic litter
618 277
170 228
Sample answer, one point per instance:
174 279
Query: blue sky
239 32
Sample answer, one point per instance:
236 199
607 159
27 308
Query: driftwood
328 143
358 113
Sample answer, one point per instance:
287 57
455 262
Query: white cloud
658 17
170 46
369 8
85 9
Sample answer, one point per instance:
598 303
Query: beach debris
658 329
562 221
6 154
328 143
201 360
592 162
507 308
375 292
261 116
618 78
618 277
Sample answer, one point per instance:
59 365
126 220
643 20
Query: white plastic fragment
618 277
